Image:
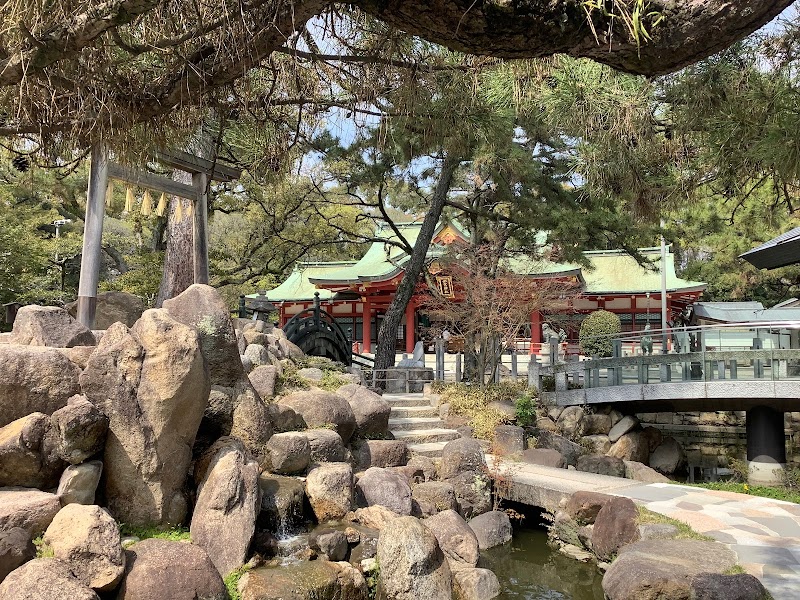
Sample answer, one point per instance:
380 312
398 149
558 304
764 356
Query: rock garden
189 455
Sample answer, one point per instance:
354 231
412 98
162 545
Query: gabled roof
743 312
778 252
616 272
298 285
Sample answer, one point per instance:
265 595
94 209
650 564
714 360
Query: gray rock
655 569
257 355
569 450
492 529
668 457
641 472
79 430
432 497
281 503
455 537
311 373
571 422
385 488
29 509
566 529
598 444
715 586
546 424
87 538
596 424
654 437
460 456
27 453
380 453
623 426
546 457
113 307
317 579
184 571
322 409
284 418
584 506
44 579
78 483
602 465
251 421
263 379
151 381
616 417
509 440
330 543
423 465
34 380
370 410
329 488
658 531
473 492
224 518
615 526
475 584
16 548
631 446
49 326
325 445
412 564
288 452
247 364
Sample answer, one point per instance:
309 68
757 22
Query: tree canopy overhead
92 67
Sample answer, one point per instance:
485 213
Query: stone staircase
417 423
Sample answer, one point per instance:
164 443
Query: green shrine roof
611 271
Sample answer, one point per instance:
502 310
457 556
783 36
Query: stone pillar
366 328
766 445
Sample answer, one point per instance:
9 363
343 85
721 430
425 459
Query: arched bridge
317 333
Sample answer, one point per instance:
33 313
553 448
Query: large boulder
202 308
386 488
473 492
16 548
475 584
431 497
379 453
623 426
79 430
370 410
152 383
714 586
572 422
49 326
329 488
373 517
157 569
509 440
412 564
29 509
224 518
631 446
656 569
285 418
288 452
78 483
615 526
566 448
584 506
596 424
251 420
34 380
641 472
87 537
113 307
668 456
491 529
602 465
546 457
307 580
263 379
330 543
27 455
456 539
325 445
281 503
461 456
45 579
319 408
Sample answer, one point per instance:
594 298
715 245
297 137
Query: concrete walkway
764 533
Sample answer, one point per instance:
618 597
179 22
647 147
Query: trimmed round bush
599 323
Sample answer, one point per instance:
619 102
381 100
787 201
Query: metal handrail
635 336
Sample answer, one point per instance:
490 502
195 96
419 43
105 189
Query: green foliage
472 402
372 579
289 381
685 532
332 381
42 550
596 331
143 277
740 468
319 362
231 581
525 410
776 493
172 533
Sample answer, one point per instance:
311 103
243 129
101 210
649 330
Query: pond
528 569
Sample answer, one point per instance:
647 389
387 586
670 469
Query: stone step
429 449
414 423
421 436
406 400
404 412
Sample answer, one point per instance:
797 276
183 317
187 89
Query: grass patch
320 362
735 570
289 381
473 401
685 532
332 381
776 493
173 534
232 582
42 550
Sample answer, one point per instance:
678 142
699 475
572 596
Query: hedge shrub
599 323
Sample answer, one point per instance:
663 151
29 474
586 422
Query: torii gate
201 169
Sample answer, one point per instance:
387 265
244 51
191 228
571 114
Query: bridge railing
736 351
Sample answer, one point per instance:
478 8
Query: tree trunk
387 336
178 258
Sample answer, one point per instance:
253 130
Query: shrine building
358 293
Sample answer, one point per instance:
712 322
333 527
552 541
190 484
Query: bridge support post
733 369
514 364
533 373
665 372
766 445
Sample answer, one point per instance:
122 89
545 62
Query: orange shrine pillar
536 331
366 318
